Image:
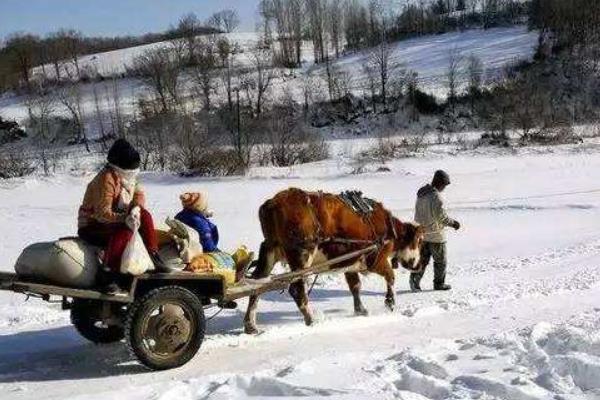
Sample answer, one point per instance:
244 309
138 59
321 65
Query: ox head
408 243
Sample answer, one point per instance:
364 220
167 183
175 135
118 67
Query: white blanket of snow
521 322
428 56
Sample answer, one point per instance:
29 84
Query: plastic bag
135 259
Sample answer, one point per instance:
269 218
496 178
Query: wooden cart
161 316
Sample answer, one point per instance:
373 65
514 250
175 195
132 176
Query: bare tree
257 81
57 51
264 26
159 71
317 12
355 24
371 74
453 74
72 42
475 73
188 27
203 72
311 89
225 20
226 52
23 49
287 15
229 20
381 64
113 99
70 97
335 24
40 105
98 112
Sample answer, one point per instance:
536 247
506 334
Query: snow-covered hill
428 56
521 322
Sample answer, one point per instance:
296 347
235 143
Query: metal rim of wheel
167 329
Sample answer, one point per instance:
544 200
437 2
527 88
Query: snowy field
521 322
428 56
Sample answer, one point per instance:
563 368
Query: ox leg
298 292
266 261
390 297
383 267
354 284
300 259
250 326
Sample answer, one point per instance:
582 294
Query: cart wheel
85 316
165 328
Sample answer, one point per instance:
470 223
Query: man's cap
441 177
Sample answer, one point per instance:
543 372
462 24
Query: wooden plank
41 289
281 281
181 275
6 280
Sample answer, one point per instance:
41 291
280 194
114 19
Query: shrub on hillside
10 131
423 102
15 165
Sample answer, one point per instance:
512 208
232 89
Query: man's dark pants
438 252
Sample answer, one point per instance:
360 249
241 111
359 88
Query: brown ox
301 228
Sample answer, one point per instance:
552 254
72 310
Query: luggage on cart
69 262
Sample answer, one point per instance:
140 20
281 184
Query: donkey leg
354 284
266 261
298 292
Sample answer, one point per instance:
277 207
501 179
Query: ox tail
268 223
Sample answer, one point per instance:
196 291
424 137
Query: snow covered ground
522 320
428 56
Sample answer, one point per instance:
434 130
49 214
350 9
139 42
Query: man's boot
441 286
415 282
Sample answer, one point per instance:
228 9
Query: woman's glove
133 220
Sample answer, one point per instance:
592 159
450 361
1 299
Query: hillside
428 56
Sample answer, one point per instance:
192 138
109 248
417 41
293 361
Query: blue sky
112 17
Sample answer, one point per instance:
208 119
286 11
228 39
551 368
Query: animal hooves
390 304
250 330
361 313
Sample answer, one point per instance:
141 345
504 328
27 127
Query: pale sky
112 17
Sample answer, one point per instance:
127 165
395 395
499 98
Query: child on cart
196 215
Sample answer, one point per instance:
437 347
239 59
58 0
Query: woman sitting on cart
104 216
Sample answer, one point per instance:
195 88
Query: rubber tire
148 303
82 318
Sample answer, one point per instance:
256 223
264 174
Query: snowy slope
114 63
521 322
428 56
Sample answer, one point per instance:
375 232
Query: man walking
430 213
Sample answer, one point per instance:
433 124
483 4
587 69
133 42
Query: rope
312 286
215 314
